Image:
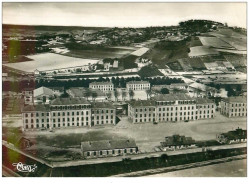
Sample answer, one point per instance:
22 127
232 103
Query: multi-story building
234 106
67 112
105 148
137 85
163 108
103 113
103 86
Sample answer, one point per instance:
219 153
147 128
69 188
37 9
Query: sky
121 14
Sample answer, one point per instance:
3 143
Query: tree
116 94
164 91
108 95
88 94
124 93
148 93
94 95
131 94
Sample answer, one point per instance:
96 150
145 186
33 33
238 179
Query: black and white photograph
124 89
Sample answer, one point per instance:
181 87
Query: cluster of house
177 142
170 107
237 136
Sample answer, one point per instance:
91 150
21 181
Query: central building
163 108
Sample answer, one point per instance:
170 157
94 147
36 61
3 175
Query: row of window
171 119
110 152
72 107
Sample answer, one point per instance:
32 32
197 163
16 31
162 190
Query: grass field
49 61
235 39
215 42
202 51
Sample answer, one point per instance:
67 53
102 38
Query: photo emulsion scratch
124 89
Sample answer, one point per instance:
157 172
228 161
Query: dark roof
142 103
172 97
101 83
96 105
34 108
81 91
107 145
237 134
204 101
137 82
69 101
236 99
177 140
57 88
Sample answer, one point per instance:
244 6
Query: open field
49 61
202 51
235 39
192 64
100 53
215 42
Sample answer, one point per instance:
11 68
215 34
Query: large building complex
163 108
138 85
103 86
234 106
67 112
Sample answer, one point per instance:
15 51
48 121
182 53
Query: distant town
82 96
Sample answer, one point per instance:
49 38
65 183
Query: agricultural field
215 42
235 39
99 53
202 51
49 61
175 66
185 64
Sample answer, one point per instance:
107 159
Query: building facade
234 106
164 108
103 86
67 112
106 148
138 85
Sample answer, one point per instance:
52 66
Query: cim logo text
25 168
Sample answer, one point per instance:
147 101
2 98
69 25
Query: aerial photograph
124 89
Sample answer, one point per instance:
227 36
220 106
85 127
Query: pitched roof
34 108
43 91
81 91
236 99
102 105
107 145
68 101
177 140
237 134
142 103
101 83
172 97
137 82
204 101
